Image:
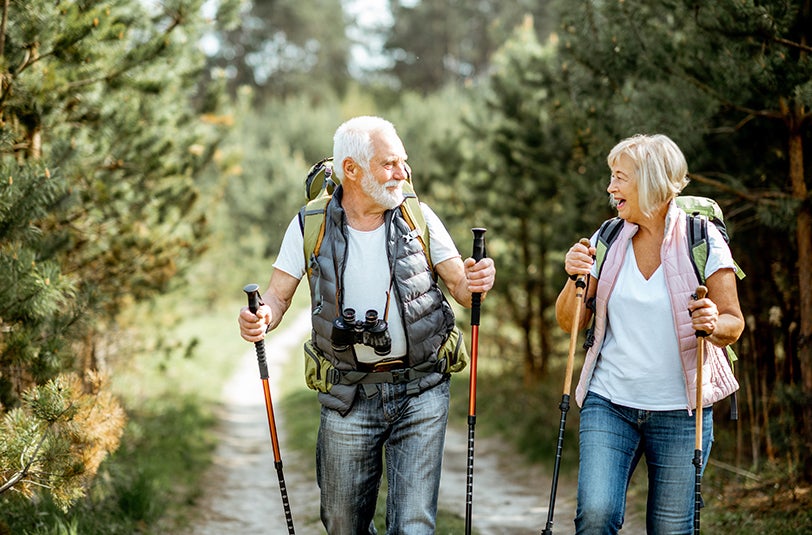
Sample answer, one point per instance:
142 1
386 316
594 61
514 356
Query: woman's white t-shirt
639 364
367 273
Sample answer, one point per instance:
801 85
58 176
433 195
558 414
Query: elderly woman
637 389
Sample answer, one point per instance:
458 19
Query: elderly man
390 389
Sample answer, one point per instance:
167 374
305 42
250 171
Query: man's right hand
253 326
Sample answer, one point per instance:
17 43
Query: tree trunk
804 268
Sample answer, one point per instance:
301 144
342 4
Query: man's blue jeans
349 460
613 438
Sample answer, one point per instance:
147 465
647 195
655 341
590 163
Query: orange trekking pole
701 292
254 303
478 254
565 398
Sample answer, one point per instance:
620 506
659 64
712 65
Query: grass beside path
169 376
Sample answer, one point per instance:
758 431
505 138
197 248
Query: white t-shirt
367 273
639 364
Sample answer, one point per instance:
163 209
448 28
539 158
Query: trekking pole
479 254
565 398
701 292
253 304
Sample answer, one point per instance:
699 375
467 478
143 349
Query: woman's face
623 190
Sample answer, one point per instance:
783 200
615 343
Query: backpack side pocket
454 352
318 370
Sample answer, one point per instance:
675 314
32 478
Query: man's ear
351 168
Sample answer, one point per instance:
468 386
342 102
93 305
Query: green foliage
512 173
165 447
275 146
712 77
105 131
57 439
35 297
280 47
439 42
169 386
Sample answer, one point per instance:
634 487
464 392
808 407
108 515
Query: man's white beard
380 193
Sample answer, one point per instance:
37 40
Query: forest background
152 153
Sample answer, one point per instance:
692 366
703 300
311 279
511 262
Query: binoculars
370 331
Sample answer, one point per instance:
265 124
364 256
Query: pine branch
765 197
696 82
793 44
16 478
133 63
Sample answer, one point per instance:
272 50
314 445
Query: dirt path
242 490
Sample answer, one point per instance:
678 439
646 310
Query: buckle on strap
333 376
400 376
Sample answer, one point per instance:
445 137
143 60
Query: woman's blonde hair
661 169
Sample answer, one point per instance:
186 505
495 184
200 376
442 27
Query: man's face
387 170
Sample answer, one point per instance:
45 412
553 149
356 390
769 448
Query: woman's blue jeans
349 459
613 438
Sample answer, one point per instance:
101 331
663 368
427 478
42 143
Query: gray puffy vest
427 316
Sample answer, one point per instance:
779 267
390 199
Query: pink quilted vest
680 279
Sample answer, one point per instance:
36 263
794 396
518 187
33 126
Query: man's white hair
353 139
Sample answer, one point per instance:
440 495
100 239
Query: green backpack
319 187
698 212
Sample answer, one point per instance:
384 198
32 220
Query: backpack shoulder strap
413 214
699 245
607 234
697 230
312 215
311 221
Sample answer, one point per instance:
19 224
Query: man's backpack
698 211
319 187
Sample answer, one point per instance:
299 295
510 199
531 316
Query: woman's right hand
579 258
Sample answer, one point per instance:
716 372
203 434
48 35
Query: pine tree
519 176
436 42
105 130
285 48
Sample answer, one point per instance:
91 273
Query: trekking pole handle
478 254
479 243
580 278
700 293
253 297
254 302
